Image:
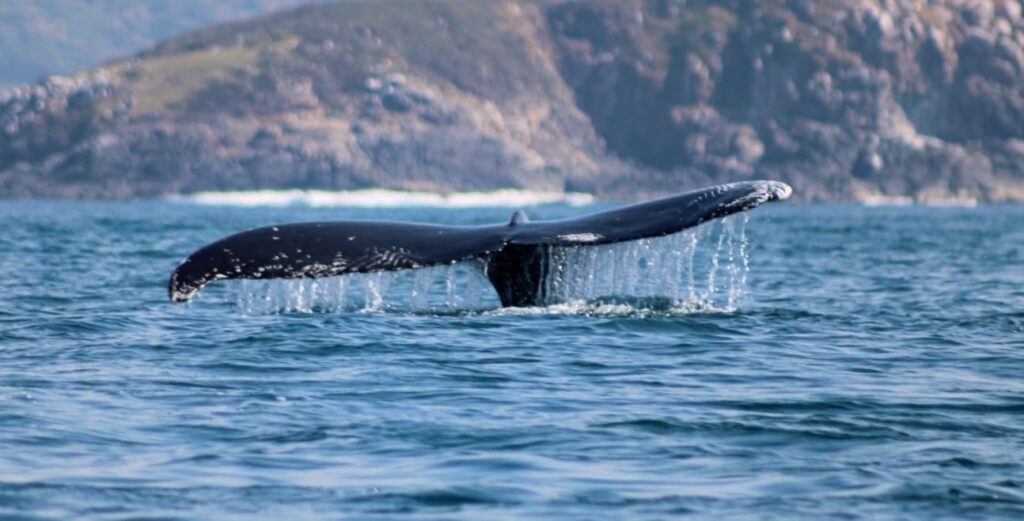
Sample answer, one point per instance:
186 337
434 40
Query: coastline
382 198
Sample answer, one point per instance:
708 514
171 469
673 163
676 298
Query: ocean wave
380 198
904 200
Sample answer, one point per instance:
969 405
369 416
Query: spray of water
434 289
675 268
700 269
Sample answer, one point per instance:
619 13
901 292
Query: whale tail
515 253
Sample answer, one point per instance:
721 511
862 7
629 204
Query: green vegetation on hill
38 38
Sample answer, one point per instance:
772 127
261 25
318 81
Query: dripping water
703 268
674 268
434 289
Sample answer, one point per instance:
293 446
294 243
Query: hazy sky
40 37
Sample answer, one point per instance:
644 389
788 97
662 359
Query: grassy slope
63 36
479 47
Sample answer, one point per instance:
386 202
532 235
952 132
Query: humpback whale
514 254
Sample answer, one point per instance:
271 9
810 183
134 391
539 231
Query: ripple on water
816 361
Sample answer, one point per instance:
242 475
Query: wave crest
380 198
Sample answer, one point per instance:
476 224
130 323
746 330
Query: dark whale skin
514 253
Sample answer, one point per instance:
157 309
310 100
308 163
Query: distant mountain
844 100
39 38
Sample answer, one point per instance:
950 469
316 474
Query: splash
703 269
675 268
435 289
615 307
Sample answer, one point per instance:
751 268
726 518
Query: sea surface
818 361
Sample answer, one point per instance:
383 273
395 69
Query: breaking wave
378 198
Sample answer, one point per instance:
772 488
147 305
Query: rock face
844 100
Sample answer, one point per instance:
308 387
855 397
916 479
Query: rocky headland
921 100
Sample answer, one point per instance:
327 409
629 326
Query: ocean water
807 361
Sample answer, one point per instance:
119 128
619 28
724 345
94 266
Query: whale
514 254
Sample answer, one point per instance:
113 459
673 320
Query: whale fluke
515 253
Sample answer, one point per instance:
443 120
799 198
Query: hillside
39 38
626 98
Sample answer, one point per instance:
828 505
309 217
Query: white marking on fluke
580 237
512 255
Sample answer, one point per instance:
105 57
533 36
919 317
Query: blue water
851 363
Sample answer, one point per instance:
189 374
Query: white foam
380 198
953 202
886 200
904 200
638 308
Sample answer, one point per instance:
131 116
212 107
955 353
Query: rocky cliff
626 98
